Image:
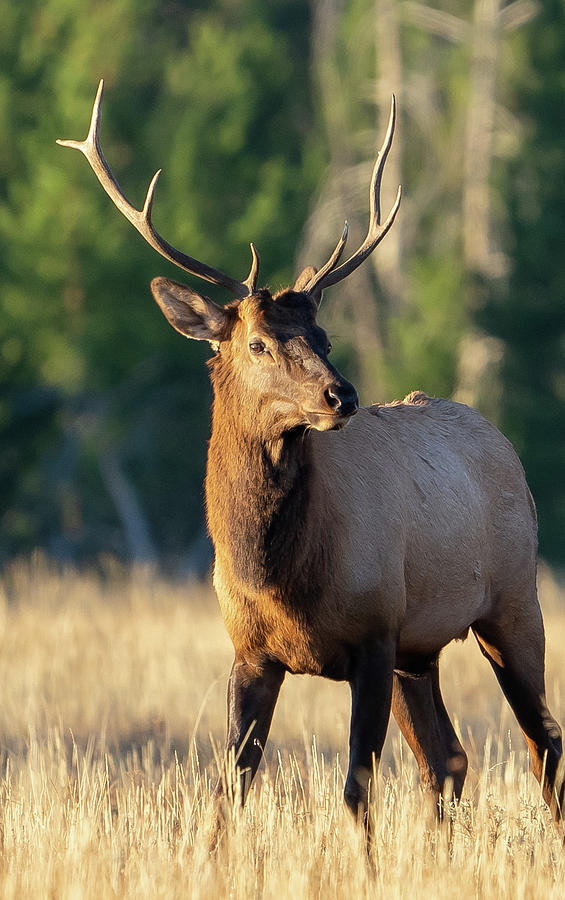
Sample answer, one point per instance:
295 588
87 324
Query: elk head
270 347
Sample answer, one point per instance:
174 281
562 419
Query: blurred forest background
265 116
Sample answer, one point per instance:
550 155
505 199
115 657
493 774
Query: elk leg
371 690
419 709
516 655
252 695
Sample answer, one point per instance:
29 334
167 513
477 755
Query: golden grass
113 702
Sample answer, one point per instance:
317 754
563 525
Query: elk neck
260 494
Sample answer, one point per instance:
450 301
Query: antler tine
329 275
141 219
251 280
332 261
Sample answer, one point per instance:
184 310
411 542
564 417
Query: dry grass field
111 720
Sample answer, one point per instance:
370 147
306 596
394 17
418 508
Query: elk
353 543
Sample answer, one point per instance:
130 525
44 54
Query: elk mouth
328 421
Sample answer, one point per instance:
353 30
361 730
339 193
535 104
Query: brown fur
354 551
426 550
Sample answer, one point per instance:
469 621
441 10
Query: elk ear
192 315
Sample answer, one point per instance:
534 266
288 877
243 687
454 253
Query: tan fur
439 520
353 553
431 526
418 522
350 546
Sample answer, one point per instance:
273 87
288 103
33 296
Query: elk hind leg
419 709
516 651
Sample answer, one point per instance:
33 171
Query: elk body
356 553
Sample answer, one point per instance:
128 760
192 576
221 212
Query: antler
141 219
328 274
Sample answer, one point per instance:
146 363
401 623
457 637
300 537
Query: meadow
112 723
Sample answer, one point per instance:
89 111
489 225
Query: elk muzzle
339 401
342 399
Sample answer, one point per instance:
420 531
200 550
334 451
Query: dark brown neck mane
258 491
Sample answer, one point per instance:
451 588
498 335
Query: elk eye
329 348
256 347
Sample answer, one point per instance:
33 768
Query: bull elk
353 543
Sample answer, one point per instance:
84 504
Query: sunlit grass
113 708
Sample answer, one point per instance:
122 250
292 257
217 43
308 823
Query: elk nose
342 399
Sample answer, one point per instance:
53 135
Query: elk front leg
371 693
252 695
